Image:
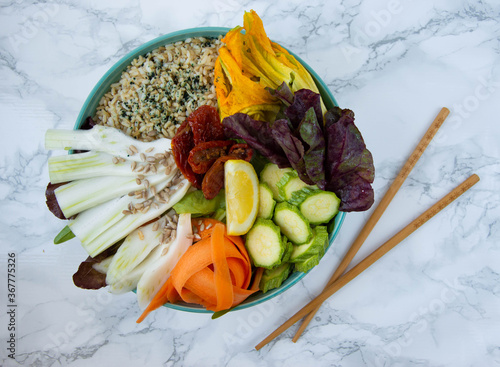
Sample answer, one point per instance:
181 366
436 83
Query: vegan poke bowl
209 170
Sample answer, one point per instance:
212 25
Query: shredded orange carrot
215 272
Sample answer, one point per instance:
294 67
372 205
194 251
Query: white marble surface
432 301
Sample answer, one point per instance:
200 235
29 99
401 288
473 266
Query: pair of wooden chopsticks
338 280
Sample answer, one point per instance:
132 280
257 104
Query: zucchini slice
315 246
264 244
290 183
292 223
317 206
266 201
272 174
273 278
288 250
307 258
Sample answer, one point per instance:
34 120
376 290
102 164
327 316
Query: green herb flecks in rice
160 89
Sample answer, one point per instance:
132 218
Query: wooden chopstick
379 210
374 256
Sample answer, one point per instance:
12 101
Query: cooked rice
159 90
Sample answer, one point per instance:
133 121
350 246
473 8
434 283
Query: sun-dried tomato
182 143
213 181
205 154
242 151
205 125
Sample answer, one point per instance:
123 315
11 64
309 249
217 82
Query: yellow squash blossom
247 64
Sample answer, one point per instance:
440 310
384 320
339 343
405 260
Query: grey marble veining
432 301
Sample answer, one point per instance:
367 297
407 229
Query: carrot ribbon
215 272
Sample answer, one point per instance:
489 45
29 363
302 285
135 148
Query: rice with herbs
159 90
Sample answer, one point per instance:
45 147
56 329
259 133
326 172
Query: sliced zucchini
288 250
308 264
315 246
308 259
273 278
264 244
317 206
292 223
266 201
272 174
290 183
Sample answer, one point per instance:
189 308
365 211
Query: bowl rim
103 85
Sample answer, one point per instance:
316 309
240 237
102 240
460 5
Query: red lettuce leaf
283 93
87 277
51 200
349 165
292 146
311 133
257 134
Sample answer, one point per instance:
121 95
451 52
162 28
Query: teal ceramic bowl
114 74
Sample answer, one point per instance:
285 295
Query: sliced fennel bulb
134 250
128 223
79 166
128 281
80 195
103 139
158 272
92 222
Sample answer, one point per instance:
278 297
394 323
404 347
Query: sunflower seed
139 206
126 212
133 165
156 206
156 226
141 235
146 183
146 170
153 168
140 169
153 190
133 149
145 210
143 157
149 150
138 181
197 237
115 160
168 170
131 193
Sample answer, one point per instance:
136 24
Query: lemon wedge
242 196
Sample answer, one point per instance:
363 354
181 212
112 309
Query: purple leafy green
311 134
87 277
51 200
329 152
349 165
292 147
257 134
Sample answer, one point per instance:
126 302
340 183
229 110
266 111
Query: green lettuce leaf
196 204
